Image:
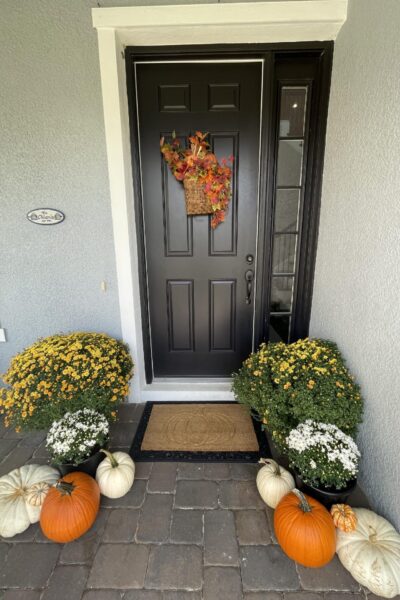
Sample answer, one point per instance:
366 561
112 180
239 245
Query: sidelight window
289 191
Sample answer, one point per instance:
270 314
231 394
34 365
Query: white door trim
248 22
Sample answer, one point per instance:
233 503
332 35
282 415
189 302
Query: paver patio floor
184 532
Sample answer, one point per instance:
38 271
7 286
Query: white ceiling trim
244 22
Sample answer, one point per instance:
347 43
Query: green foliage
286 384
63 373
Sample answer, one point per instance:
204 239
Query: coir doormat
198 431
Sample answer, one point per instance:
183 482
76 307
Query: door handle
249 276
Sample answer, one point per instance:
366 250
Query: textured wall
52 154
357 282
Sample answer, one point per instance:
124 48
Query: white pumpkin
36 494
273 482
16 513
372 553
115 474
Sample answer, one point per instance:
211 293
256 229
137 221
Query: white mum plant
323 455
76 436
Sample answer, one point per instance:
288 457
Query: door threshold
187 389
192 380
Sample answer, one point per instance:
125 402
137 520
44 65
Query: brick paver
302 596
28 565
252 527
102 595
177 595
196 494
220 542
121 525
217 471
186 531
22 595
332 577
17 457
244 471
119 566
79 552
121 434
345 596
190 470
174 567
223 583
162 478
267 568
67 583
264 596
143 595
155 518
187 526
240 494
143 470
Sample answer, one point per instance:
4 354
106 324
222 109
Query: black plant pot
277 454
88 466
327 496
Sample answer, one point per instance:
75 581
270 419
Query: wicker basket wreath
206 181
197 202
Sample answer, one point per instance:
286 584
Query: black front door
201 282
209 296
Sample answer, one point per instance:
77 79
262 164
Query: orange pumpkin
70 507
344 517
305 530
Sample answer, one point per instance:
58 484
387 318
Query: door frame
268 54
246 23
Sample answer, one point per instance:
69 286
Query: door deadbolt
250 259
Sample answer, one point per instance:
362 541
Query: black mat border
184 456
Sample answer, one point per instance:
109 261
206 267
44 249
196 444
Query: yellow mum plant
65 373
286 384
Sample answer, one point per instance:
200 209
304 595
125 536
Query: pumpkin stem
304 505
270 461
113 461
65 487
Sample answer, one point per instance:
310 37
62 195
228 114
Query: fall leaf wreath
198 163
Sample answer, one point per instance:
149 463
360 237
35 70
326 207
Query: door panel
222 315
223 239
178 230
200 322
180 315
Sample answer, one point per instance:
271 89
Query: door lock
249 276
250 259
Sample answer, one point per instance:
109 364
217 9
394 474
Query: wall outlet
2 335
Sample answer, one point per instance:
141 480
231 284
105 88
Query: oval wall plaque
45 216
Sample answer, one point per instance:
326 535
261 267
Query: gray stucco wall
357 281
52 154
